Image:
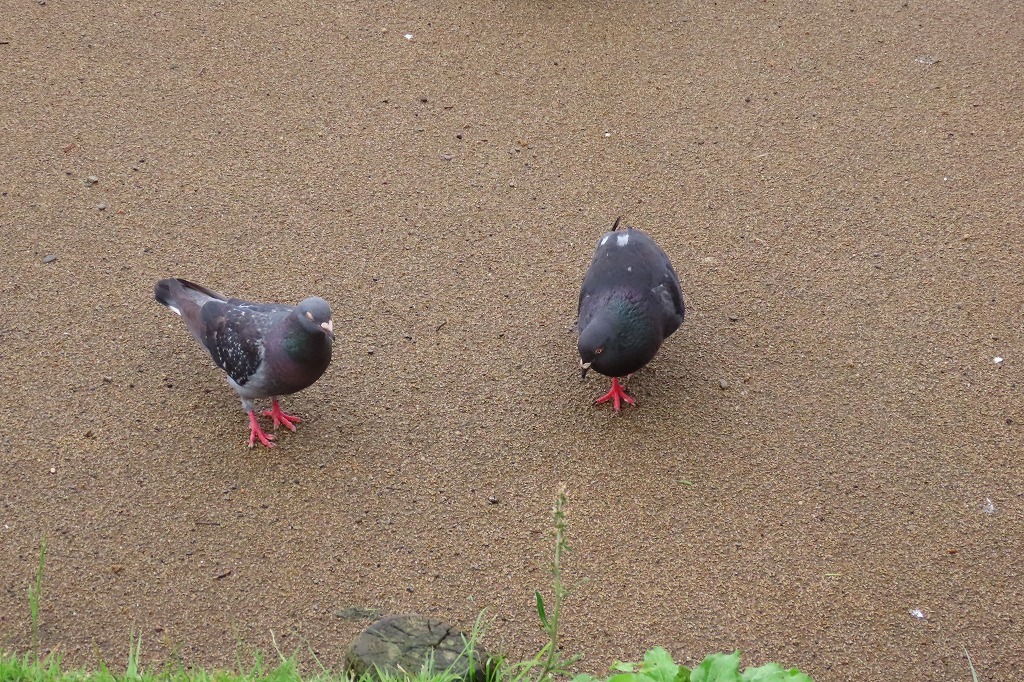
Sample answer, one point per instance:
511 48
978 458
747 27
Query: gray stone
404 644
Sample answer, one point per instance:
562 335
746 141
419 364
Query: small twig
207 523
438 328
221 576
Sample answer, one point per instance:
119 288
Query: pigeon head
314 315
593 342
618 341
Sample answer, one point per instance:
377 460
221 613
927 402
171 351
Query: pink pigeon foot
257 433
617 395
280 417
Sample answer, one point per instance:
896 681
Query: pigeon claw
280 417
617 394
257 433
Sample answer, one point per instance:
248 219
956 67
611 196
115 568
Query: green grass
548 664
28 669
970 663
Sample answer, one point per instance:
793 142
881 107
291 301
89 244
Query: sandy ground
840 187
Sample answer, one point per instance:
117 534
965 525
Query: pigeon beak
328 327
584 366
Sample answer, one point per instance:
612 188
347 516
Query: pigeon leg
280 417
256 433
617 395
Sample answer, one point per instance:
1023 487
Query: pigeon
630 302
266 349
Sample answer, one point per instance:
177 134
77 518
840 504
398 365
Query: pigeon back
630 261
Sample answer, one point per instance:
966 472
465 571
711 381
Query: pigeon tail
174 291
186 299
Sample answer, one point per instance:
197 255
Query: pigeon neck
299 344
629 314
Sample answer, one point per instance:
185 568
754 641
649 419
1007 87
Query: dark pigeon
630 302
266 349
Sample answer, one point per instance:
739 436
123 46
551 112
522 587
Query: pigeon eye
598 351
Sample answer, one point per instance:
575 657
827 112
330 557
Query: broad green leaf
620 667
773 672
659 666
718 668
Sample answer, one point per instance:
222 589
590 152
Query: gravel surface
824 468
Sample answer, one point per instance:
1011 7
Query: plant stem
553 662
34 592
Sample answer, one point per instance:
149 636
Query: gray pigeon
630 302
267 349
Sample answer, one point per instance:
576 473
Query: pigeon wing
234 336
669 295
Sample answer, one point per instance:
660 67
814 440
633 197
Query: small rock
723 384
492 500
108 380
397 644
91 180
447 157
101 207
734 318
49 259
